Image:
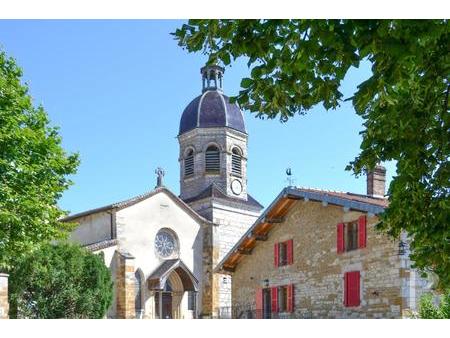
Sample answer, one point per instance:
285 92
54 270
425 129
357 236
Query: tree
33 170
60 281
297 64
428 310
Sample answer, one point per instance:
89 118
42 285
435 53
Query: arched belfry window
236 162
189 163
212 160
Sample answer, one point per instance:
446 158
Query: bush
428 309
60 281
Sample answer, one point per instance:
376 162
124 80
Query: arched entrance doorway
170 282
163 302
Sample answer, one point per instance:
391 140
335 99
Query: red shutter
362 231
346 289
274 295
340 238
290 251
259 303
290 298
352 288
275 254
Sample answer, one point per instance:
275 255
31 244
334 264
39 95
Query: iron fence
247 312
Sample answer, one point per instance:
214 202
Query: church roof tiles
216 192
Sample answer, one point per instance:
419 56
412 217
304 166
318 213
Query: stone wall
318 271
230 220
4 304
125 283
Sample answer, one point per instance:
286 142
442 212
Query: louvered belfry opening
236 162
189 164
212 160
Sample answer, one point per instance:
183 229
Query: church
162 249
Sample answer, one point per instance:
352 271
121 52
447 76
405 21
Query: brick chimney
376 181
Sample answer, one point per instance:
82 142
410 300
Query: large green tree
34 170
297 64
60 281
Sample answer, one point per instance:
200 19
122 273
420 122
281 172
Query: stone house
316 254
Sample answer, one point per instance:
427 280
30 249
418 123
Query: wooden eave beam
228 268
244 251
261 237
273 220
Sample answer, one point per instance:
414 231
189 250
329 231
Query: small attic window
212 160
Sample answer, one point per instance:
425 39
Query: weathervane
159 176
290 180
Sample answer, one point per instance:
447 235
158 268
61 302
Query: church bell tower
213 178
213 142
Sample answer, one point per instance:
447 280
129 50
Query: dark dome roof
212 109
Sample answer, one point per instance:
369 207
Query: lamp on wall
266 283
401 248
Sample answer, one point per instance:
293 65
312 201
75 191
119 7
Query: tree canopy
34 170
60 281
297 64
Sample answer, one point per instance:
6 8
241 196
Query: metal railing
247 312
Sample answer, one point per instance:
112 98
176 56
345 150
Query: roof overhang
277 210
127 203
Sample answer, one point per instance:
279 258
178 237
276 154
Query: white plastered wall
137 227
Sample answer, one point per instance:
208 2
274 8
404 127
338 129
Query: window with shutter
290 298
290 251
236 162
274 294
283 253
340 238
212 160
259 303
352 289
283 299
189 163
275 255
351 236
362 231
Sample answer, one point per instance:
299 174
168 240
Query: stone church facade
162 249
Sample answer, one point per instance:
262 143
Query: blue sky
117 90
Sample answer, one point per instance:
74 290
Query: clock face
165 244
236 187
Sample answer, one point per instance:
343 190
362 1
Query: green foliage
297 64
428 310
60 281
33 170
